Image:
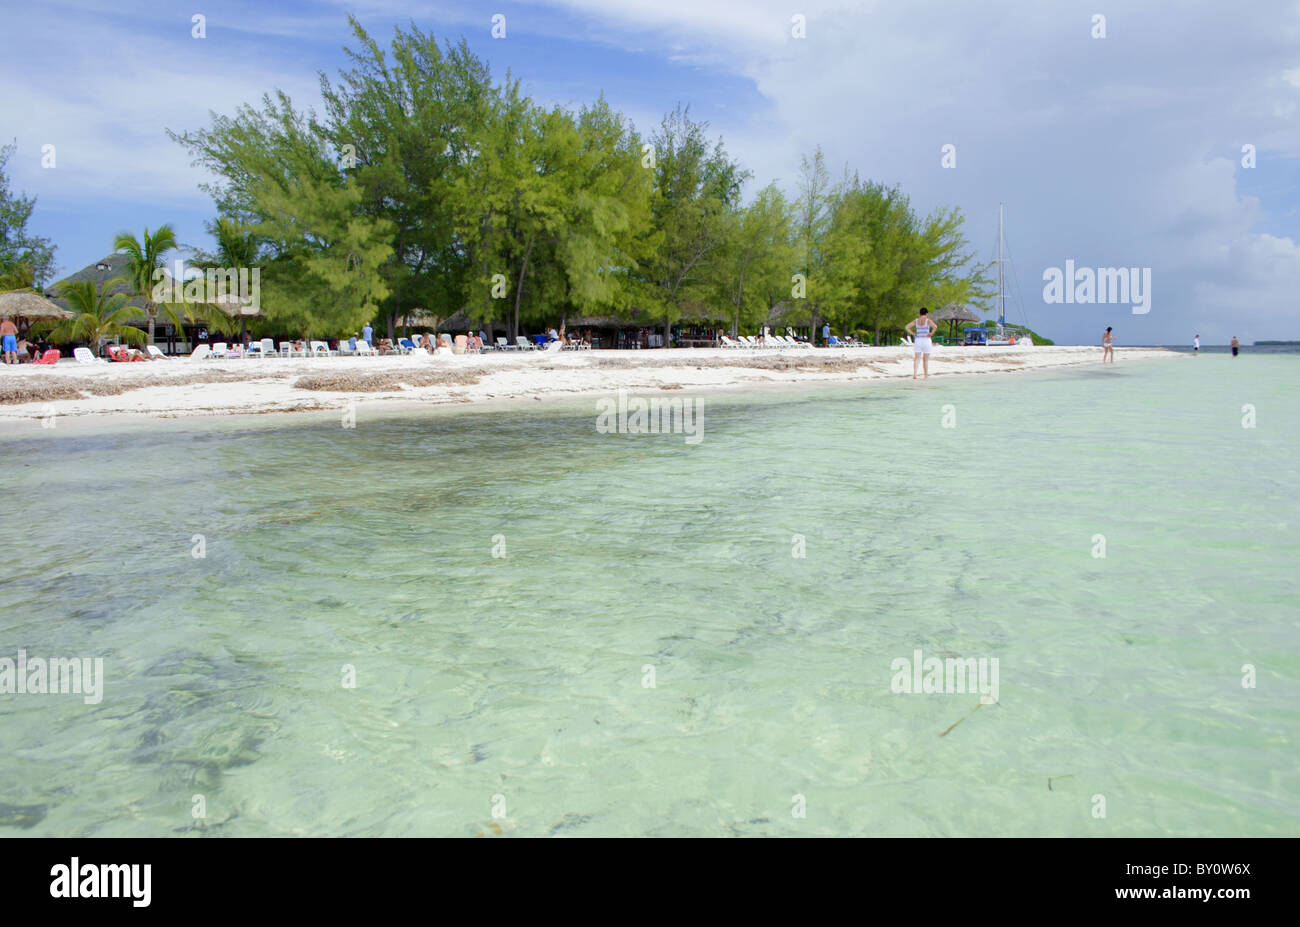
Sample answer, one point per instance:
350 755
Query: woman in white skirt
921 329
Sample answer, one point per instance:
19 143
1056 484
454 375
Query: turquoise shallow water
516 683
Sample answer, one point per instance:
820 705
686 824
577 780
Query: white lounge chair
503 345
86 356
320 349
366 350
346 350
218 351
268 348
524 344
200 351
153 351
725 342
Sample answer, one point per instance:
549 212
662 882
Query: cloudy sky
1122 151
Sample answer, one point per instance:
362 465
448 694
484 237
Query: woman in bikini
921 329
1107 347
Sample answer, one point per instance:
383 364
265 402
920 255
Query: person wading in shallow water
921 328
1235 345
1107 346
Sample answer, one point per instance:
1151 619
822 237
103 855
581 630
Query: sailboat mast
1002 298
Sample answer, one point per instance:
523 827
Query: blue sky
1116 151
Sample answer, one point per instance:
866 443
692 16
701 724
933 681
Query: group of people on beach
19 350
1108 345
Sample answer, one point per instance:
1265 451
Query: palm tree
144 261
99 317
237 247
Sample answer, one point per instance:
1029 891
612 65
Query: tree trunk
151 312
519 289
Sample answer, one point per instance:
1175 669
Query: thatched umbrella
457 324
420 318
29 305
233 306
952 314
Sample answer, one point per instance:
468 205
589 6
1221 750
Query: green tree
882 262
756 257
407 123
577 214
26 260
814 212
323 256
695 184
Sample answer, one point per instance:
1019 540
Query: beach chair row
266 348
771 341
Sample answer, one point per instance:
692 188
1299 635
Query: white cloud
1111 151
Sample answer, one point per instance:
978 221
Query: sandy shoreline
183 388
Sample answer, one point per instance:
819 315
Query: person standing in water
1235 345
1196 345
921 329
1107 346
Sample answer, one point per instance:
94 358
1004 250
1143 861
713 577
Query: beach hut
236 308
457 324
953 313
30 306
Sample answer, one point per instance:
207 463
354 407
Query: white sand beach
182 387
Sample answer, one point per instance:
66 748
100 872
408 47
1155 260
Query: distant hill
116 272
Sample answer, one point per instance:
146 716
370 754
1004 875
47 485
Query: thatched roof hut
27 304
954 312
457 324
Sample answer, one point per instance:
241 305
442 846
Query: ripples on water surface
521 676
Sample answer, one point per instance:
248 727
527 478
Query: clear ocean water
511 694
